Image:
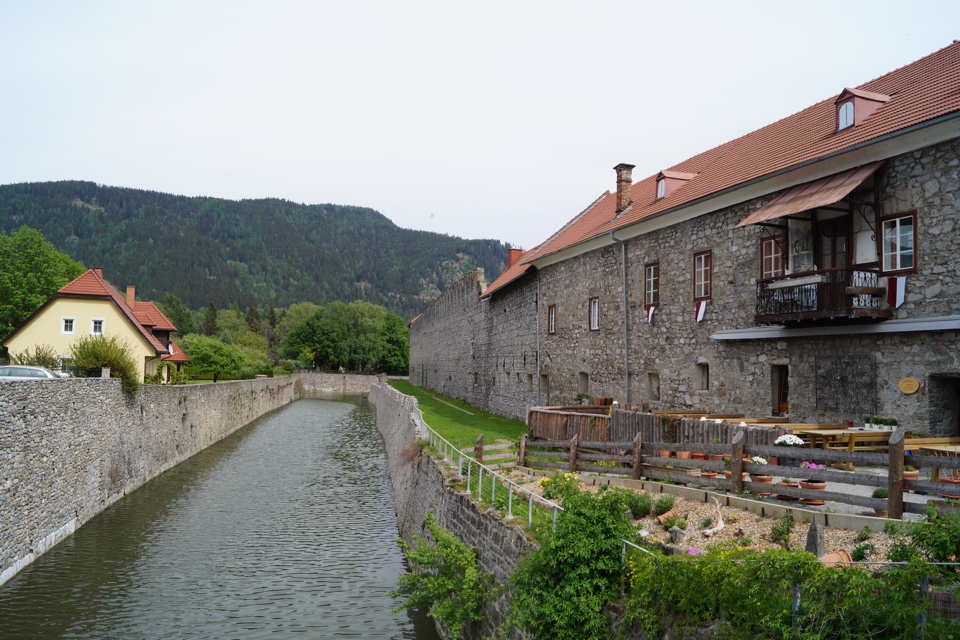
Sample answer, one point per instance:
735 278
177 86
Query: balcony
852 293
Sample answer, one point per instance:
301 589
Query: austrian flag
896 288
701 309
650 311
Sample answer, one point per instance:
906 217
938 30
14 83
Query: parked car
23 372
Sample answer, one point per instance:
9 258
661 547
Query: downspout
626 317
539 375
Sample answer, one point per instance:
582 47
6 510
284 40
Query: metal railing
846 290
457 457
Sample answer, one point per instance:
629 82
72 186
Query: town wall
674 362
70 448
420 487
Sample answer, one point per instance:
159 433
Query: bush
663 504
447 583
560 486
92 353
780 532
43 356
640 504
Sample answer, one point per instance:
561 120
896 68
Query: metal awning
811 195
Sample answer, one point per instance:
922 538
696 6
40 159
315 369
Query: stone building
808 268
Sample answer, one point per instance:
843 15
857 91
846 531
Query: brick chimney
131 296
624 182
512 256
98 271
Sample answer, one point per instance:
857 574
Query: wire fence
476 474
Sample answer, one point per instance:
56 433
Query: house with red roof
808 269
91 306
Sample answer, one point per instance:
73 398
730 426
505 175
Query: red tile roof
513 272
150 316
919 92
92 285
176 354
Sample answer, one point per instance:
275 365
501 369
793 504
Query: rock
815 542
677 535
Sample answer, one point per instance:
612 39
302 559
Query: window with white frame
67 325
65 364
594 314
898 242
661 187
771 256
96 326
651 284
702 275
845 115
552 319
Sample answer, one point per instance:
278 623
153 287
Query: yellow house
91 306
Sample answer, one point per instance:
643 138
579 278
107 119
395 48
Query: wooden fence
640 458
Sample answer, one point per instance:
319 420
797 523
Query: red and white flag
650 311
896 288
701 309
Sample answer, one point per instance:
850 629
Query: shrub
663 504
92 353
560 486
43 356
862 551
880 492
640 504
938 535
447 585
864 534
781 530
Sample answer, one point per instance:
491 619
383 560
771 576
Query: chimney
98 271
512 256
131 296
624 182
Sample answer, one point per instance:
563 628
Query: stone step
502 465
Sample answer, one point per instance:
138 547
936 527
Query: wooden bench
864 441
914 444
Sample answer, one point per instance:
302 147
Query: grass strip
449 417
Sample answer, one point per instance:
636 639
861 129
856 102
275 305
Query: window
845 115
96 327
653 386
529 382
594 314
552 319
661 187
898 239
66 325
703 376
651 284
771 256
702 275
65 364
583 383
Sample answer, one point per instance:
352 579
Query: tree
92 353
210 325
31 270
210 356
179 314
253 319
291 318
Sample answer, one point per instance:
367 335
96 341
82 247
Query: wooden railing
851 292
639 458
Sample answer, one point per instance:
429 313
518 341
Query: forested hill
264 252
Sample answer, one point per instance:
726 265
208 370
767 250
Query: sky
477 119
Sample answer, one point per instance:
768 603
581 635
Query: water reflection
285 528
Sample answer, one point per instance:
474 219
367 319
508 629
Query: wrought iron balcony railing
847 292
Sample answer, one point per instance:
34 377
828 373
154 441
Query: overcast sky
483 120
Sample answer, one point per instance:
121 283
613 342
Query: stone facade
834 373
70 448
419 487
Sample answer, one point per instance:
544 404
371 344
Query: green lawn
457 421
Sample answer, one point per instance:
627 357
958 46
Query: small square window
66 326
96 327
594 314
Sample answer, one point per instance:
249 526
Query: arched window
661 187
845 115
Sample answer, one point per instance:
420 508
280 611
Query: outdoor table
950 450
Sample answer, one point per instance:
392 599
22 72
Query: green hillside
265 252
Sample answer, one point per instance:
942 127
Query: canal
286 528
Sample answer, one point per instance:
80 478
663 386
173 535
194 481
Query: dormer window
845 115
670 181
855 105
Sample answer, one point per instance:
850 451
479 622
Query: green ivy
447 583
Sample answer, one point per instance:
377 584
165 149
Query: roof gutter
626 318
767 176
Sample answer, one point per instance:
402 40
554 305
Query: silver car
23 372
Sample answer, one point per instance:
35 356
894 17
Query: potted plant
812 484
760 477
788 482
910 472
788 440
880 492
685 455
715 456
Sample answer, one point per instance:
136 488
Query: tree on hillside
253 319
178 314
210 356
291 318
31 271
210 325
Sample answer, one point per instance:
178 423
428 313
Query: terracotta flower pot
762 479
813 485
881 513
698 456
788 484
685 455
714 456
665 453
708 474
911 475
840 556
949 480
662 518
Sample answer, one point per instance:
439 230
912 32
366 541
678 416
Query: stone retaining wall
70 448
419 486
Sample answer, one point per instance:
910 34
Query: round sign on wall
909 385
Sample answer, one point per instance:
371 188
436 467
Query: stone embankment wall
419 487
70 448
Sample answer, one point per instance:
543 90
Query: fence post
478 449
895 477
573 452
636 457
736 462
523 451
922 620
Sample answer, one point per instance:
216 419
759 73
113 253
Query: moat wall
70 448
